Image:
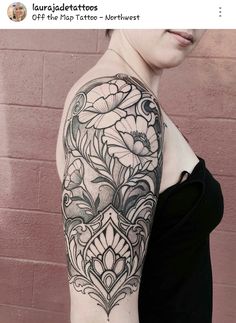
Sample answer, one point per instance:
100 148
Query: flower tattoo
113 140
103 111
133 142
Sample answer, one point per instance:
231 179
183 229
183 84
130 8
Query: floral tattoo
113 141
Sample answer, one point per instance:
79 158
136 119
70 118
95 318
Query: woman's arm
113 139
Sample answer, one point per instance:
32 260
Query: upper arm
113 138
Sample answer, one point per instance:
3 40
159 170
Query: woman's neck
123 53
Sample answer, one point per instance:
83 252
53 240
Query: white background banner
48 14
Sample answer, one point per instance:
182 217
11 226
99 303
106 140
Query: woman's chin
174 62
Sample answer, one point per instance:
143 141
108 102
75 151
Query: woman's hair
108 32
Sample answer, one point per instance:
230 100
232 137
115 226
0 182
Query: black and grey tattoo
113 139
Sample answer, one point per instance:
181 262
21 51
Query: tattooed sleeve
113 138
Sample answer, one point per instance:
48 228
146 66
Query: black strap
184 172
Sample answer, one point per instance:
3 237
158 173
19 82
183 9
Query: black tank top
176 284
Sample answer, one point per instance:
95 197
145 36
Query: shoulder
103 101
121 107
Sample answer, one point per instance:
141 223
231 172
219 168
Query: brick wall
37 68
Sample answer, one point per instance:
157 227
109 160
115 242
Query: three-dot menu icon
220 11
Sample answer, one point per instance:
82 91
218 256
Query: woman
133 188
20 12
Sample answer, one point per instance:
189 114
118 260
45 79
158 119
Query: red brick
13 314
228 185
19 184
215 139
29 132
50 188
217 42
185 124
32 235
10 314
224 304
200 87
61 72
78 40
21 77
16 281
223 257
172 92
51 288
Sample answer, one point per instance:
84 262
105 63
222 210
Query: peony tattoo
113 142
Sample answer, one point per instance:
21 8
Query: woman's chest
178 156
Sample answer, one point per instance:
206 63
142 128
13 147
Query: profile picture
16 11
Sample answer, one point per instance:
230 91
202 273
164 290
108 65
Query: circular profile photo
16 11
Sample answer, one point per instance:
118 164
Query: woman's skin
151 51
148 52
